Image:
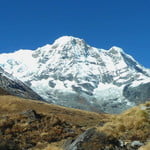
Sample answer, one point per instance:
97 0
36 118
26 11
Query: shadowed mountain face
71 73
3 92
11 86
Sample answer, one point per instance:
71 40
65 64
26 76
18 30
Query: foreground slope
71 73
28 124
127 131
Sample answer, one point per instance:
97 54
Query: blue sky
101 23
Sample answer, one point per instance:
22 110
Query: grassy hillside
127 131
33 124
37 125
133 124
13 105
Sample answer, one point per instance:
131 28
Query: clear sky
101 23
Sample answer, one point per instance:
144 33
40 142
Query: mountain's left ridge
9 85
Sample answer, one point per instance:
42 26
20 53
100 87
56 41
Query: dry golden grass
47 147
52 147
133 124
69 122
145 147
13 105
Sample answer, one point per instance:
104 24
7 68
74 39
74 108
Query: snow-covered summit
72 73
67 40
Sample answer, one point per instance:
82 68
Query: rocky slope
71 73
12 86
127 131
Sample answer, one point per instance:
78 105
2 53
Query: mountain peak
64 40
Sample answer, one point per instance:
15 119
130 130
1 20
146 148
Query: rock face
12 86
138 93
31 115
71 73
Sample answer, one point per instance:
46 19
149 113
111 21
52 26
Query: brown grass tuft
145 147
52 147
133 124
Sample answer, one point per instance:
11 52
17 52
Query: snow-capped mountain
71 73
12 86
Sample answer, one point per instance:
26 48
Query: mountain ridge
72 73
10 85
